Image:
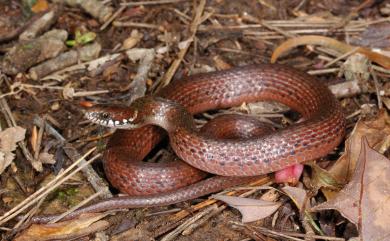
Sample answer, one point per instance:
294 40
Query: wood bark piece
40 25
26 54
64 60
96 8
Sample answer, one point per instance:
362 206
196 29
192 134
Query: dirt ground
55 59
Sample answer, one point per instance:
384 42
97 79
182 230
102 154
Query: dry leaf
379 58
67 230
68 91
298 195
250 209
322 178
376 131
365 200
34 138
133 40
40 6
8 139
46 158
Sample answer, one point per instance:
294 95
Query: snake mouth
105 119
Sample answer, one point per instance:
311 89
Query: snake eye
105 115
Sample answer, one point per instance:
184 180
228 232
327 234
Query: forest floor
56 59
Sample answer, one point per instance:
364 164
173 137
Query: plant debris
57 57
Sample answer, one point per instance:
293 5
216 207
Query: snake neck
167 114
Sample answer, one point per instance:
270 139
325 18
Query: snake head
147 110
121 117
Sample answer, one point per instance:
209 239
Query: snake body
234 161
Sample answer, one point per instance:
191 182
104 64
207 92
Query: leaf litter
221 36
8 143
365 200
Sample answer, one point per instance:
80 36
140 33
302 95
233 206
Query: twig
30 213
341 57
113 16
323 71
278 30
64 60
89 65
193 29
39 141
202 221
43 191
137 25
137 88
187 223
356 113
288 235
152 2
94 7
378 94
39 25
93 178
20 87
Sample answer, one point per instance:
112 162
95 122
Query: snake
232 161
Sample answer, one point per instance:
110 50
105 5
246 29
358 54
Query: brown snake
234 161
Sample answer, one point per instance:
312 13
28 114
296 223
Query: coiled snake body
234 161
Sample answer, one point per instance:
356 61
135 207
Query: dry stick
323 71
22 87
177 219
278 30
30 213
193 226
82 203
313 236
93 178
268 232
378 94
310 27
381 69
290 234
193 29
39 25
45 189
187 223
152 2
110 19
137 88
356 113
136 25
39 141
341 57
11 122
88 65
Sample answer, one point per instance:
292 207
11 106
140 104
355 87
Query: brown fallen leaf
40 6
376 131
341 47
8 139
375 36
321 178
250 209
365 199
46 158
67 230
297 195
